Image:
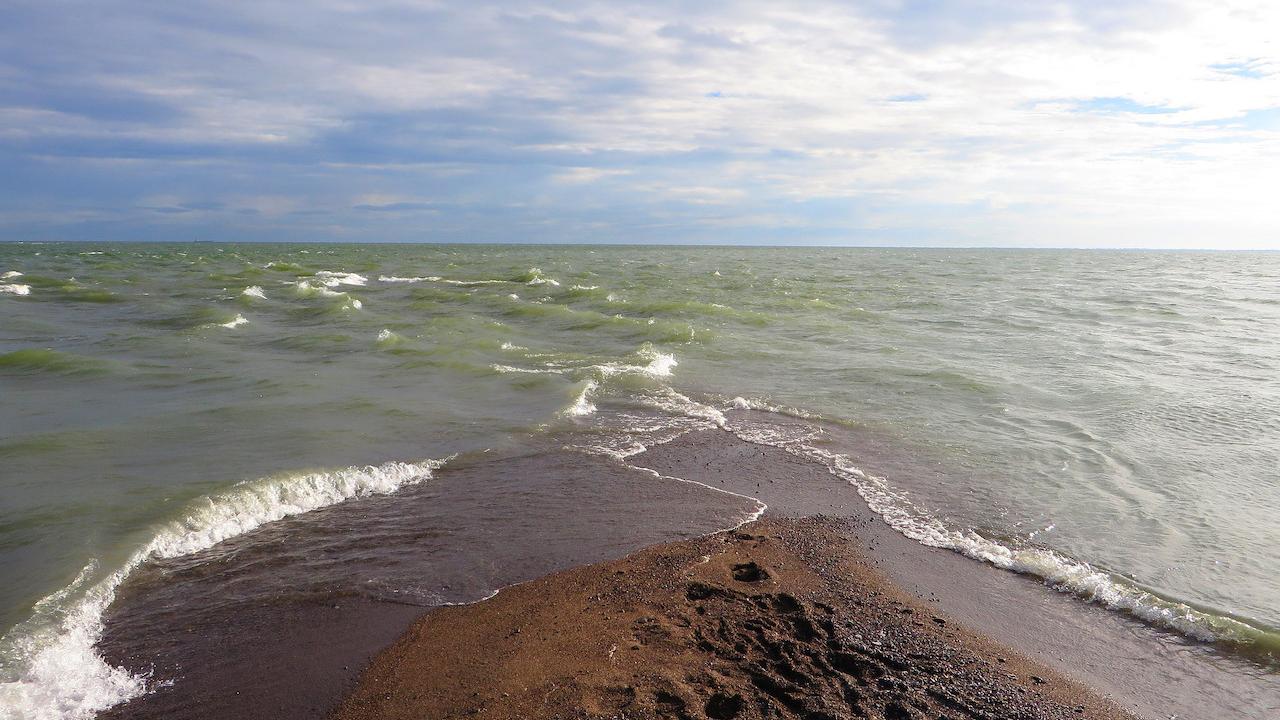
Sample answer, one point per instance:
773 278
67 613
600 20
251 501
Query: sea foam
334 279
582 404
310 288
410 280
59 676
1058 571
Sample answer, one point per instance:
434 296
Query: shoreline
298 657
781 617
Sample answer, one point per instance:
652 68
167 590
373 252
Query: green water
1115 409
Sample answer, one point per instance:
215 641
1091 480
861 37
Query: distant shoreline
643 244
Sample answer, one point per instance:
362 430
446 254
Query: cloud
886 121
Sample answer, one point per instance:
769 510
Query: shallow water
1105 420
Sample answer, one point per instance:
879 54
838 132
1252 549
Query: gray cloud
878 122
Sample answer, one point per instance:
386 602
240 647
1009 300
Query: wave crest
57 673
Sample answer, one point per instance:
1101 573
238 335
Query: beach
299 655
777 619
709 361
236 475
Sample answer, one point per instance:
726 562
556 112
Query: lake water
1106 421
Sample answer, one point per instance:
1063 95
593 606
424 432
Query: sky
1123 123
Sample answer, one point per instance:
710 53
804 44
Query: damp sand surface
250 630
781 618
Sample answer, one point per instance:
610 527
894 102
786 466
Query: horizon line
1130 248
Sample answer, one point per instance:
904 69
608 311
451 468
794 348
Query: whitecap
10 274
59 676
660 364
235 322
473 283
531 371
394 279
537 278
308 288
582 405
254 291
15 289
334 279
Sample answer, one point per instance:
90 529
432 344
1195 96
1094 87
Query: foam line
58 673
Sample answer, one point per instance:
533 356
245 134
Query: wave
535 277
37 360
582 404
671 401
59 676
44 281
593 377
10 274
659 365
568 318
388 339
529 371
1058 571
80 293
235 322
283 266
309 288
334 279
15 289
409 280
474 283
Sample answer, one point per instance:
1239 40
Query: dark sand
782 618
279 624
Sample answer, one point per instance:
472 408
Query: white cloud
1074 124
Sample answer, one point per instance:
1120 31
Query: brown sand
780 619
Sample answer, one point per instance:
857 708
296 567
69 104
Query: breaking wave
58 675
235 322
409 280
1058 571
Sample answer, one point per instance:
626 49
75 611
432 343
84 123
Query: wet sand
281 622
277 624
782 618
